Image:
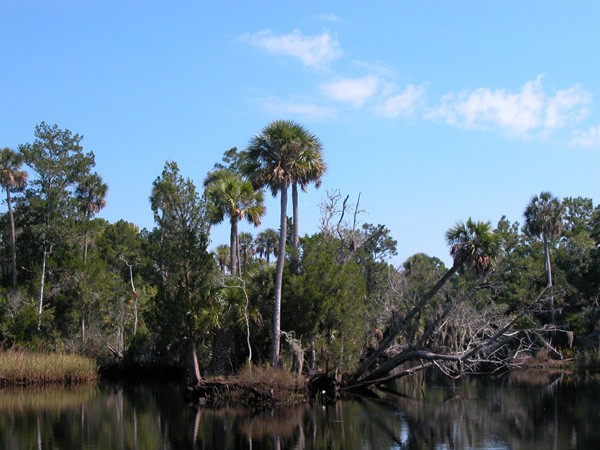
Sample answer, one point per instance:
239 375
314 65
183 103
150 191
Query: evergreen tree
59 162
185 309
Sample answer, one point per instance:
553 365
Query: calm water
520 411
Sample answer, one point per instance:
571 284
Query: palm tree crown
229 195
543 216
11 175
267 242
474 243
91 193
282 154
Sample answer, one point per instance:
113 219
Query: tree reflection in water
518 410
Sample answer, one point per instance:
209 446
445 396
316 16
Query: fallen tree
457 332
488 349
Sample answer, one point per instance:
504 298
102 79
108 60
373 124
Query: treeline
328 302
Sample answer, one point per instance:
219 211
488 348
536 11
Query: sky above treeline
431 111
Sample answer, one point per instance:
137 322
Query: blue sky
432 111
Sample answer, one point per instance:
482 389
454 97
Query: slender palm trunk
549 275
13 244
233 247
275 345
296 231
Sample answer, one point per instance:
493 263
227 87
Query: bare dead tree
484 344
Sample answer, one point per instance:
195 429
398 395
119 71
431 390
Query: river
522 410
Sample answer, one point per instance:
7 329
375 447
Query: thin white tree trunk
136 296
82 326
247 320
195 363
296 232
41 293
13 245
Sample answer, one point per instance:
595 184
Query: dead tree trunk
400 324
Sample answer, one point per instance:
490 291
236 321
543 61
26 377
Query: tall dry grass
269 377
45 368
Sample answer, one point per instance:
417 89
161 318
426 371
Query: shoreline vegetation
38 369
162 304
252 386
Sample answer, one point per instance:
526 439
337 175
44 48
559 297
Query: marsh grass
23 368
269 377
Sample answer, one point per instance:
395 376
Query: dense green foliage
73 282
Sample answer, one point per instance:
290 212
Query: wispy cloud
403 104
532 111
520 114
309 110
589 138
329 18
312 51
352 90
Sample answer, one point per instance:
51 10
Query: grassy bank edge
24 368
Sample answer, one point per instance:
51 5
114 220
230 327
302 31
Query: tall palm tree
229 195
473 244
267 242
543 218
12 178
91 195
277 158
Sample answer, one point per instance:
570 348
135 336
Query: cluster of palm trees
283 155
264 245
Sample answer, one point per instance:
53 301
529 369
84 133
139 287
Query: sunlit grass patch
45 368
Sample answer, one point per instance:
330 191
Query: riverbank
24 368
252 386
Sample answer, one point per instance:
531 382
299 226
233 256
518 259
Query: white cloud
312 51
568 105
305 109
352 90
521 113
403 104
589 138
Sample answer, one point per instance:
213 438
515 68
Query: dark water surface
522 410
